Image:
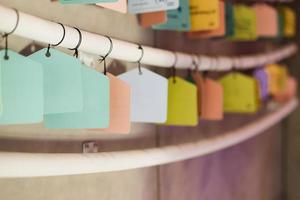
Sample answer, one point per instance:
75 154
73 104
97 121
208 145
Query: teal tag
22 90
280 22
95 113
62 81
178 19
85 1
229 19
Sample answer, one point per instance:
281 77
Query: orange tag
289 92
267 24
120 93
198 79
210 98
212 33
152 18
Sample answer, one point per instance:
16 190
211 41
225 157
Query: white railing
41 164
49 32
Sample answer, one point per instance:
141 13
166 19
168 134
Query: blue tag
178 19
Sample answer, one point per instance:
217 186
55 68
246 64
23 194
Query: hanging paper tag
197 79
182 103
152 18
204 15
289 22
262 79
240 93
62 81
95 113
244 23
22 90
119 6
143 6
291 88
119 106
220 31
178 19
229 19
149 95
267 25
280 22
84 1
277 77
289 92
289 17
212 100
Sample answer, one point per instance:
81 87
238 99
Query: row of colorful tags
213 18
65 94
219 19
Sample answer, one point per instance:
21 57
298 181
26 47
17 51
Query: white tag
144 6
149 96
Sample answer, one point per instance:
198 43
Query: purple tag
262 78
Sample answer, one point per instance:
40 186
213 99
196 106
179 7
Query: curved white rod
37 164
51 33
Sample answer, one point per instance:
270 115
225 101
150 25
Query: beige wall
248 171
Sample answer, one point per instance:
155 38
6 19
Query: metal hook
139 61
78 44
103 58
6 57
48 54
174 67
195 63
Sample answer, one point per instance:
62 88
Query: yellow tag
289 16
182 103
277 76
240 93
204 15
244 23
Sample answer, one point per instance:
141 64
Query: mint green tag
22 90
178 19
95 113
280 22
85 1
229 13
62 81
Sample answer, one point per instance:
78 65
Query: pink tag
120 6
120 97
267 24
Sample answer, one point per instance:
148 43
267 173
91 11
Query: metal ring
16 26
139 61
110 47
63 37
79 41
174 67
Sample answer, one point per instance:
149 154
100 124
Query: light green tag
22 90
95 113
244 23
62 81
240 93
